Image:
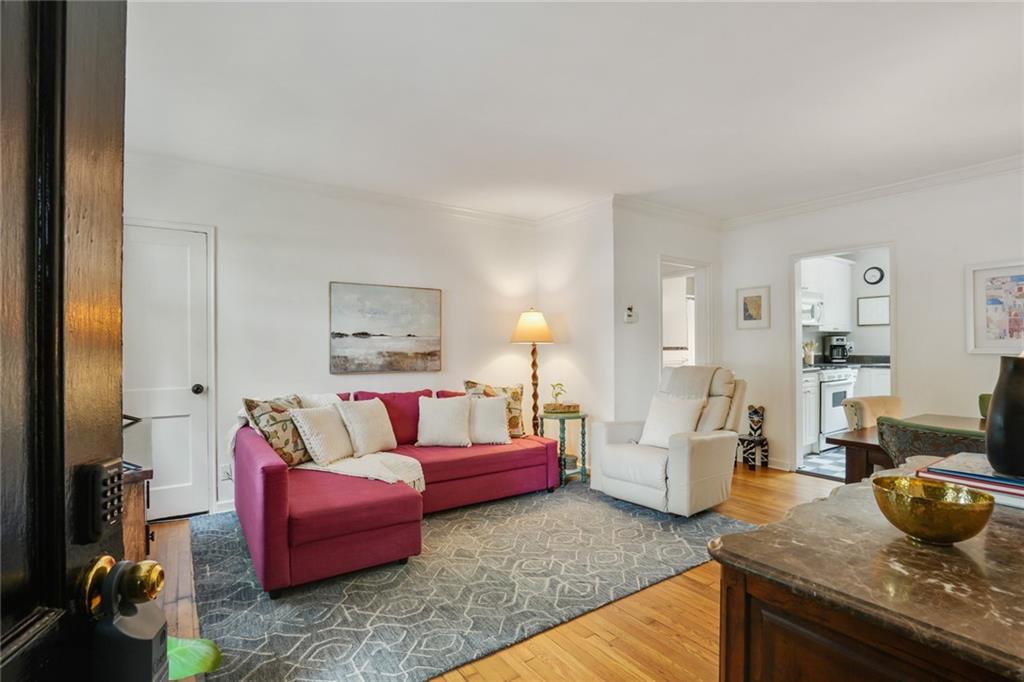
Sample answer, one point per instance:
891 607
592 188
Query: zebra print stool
755 440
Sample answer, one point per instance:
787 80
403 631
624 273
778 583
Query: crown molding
695 218
574 212
1009 164
341 192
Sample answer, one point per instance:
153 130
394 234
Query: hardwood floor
668 631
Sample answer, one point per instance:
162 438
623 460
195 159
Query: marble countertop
967 599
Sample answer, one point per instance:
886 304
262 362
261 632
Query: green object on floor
561 418
188 657
984 400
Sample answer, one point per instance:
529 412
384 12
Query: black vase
1004 432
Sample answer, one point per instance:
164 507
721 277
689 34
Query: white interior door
166 361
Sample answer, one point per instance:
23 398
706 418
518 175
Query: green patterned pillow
273 419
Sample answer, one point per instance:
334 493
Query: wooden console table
833 592
863 450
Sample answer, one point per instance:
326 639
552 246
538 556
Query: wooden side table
561 418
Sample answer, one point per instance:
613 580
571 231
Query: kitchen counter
856 598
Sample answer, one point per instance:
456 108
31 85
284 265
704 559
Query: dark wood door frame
63 130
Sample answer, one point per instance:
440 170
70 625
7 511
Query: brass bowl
933 512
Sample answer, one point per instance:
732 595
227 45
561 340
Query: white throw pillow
444 421
319 399
324 434
669 415
488 421
368 426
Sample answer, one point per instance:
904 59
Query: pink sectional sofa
303 526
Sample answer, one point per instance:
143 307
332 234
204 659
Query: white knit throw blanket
389 467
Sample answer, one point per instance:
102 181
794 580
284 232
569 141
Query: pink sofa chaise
302 526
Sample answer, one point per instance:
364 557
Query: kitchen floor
830 464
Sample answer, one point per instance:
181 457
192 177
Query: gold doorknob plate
137 584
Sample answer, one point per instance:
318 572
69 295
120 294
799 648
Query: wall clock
874 275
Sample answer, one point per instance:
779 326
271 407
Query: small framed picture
994 294
754 308
873 311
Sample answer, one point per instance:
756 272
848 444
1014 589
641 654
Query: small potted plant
558 407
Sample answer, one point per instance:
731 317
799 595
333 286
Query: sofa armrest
611 433
261 501
699 470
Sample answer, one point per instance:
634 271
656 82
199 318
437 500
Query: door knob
198 388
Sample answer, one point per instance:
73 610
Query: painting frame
978 320
865 311
746 316
423 312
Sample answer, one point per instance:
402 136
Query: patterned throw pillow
514 407
273 419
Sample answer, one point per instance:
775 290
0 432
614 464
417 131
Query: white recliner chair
695 471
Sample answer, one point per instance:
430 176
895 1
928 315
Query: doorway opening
845 333
685 326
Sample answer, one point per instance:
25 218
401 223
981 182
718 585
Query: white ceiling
530 109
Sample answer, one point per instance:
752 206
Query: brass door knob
142 582
92 585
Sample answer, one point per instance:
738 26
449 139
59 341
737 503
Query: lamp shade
532 328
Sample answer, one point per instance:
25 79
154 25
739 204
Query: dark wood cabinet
137 533
769 632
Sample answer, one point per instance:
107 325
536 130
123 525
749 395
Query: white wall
574 281
935 233
869 340
642 236
279 243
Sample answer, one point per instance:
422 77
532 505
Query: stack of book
971 469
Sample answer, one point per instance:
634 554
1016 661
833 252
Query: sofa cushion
449 394
716 411
403 411
513 408
368 426
323 505
446 464
444 422
640 464
273 419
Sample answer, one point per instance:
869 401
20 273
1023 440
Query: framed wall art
753 308
994 293
379 328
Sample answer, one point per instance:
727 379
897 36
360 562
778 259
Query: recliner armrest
617 432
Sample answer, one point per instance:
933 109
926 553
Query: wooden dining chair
902 439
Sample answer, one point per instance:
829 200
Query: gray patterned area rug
489 576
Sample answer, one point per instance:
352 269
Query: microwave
812 305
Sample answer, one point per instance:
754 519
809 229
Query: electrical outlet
225 472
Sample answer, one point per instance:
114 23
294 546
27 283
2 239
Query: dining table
863 450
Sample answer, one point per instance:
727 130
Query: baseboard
223 506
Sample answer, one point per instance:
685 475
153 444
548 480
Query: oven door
833 393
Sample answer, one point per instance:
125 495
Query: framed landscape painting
379 328
753 308
995 307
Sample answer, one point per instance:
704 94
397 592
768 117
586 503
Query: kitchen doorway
685 325
845 332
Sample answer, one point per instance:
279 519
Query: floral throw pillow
513 407
273 419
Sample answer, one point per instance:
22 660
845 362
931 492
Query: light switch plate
631 316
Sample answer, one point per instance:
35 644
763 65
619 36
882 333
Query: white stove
836 385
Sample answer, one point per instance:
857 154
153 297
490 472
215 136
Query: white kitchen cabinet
873 381
810 404
836 289
832 278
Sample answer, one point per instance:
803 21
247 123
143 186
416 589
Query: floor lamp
533 329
